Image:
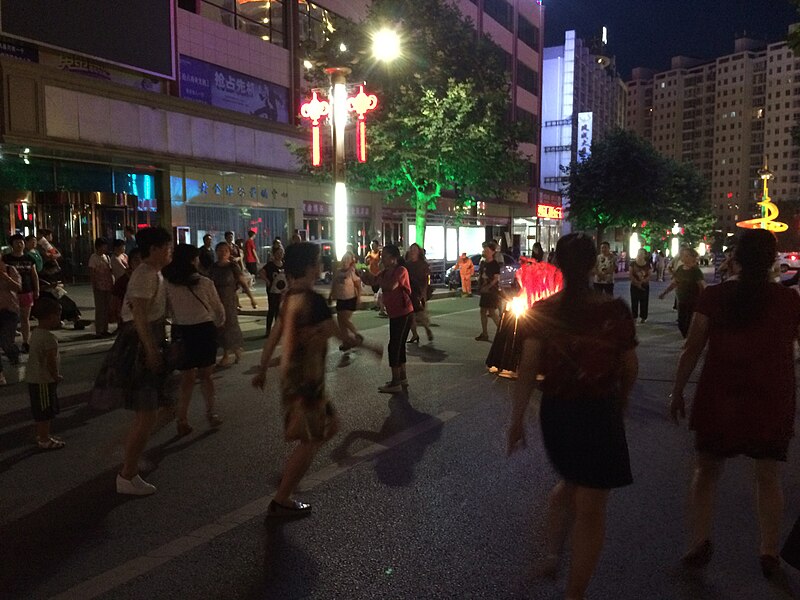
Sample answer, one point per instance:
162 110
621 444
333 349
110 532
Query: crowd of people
578 346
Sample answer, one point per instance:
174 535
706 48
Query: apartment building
584 98
726 116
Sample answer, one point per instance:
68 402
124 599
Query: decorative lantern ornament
769 212
315 109
361 104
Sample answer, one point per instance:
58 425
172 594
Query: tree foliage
626 182
441 123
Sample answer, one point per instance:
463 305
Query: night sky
647 33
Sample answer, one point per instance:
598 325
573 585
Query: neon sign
548 211
315 110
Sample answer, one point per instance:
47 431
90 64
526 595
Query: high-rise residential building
584 99
192 129
726 116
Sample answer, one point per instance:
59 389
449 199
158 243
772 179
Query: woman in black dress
583 343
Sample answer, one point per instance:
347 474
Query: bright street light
386 45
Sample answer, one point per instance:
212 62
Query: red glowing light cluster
315 110
538 280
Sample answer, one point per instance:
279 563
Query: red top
582 347
250 251
746 393
397 301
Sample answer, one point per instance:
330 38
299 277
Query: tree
626 182
794 35
441 124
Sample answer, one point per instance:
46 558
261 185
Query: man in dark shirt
207 255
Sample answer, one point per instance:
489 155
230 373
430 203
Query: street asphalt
414 498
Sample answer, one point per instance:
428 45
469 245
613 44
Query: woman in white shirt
196 312
346 290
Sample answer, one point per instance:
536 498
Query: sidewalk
81 294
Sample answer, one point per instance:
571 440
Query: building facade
202 143
583 100
726 116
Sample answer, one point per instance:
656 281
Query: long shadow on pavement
36 544
402 416
289 571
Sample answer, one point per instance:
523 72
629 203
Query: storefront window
216 220
266 20
316 24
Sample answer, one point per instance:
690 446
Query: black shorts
252 268
490 300
44 400
348 305
198 345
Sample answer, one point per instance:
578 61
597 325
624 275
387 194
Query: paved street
415 498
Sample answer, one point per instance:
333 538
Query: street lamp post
339 109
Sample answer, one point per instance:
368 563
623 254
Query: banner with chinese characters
224 88
585 122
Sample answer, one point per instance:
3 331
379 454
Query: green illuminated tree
441 124
626 182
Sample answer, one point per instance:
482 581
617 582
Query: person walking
489 289
396 287
228 278
373 260
640 273
251 254
661 265
578 331
10 287
197 313
605 268
419 275
303 330
26 268
207 254
688 282
134 367
274 275
102 280
42 372
466 269
130 239
346 292
745 398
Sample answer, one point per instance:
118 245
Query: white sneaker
135 486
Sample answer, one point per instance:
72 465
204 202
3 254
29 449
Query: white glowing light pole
338 99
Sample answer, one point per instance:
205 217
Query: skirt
506 347
124 377
197 344
585 441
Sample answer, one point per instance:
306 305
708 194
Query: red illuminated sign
548 211
361 104
314 110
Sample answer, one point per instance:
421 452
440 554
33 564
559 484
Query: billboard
139 35
224 88
584 135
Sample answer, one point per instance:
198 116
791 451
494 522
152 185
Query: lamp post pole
339 108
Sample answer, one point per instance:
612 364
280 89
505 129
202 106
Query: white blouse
195 305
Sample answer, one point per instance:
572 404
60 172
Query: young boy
303 329
42 372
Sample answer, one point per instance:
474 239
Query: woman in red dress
745 400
